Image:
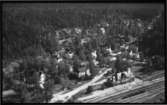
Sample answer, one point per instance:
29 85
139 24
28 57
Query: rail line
140 97
145 88
117 95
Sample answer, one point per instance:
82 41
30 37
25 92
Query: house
102 29
42 80
94 54
85 40
84 70
70 55
78 30
67 30
95 62
109 50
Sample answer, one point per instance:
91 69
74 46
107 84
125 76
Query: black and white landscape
83 53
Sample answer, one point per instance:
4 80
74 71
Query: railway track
145 98
141 89
111 96
141 97
155 75
103 93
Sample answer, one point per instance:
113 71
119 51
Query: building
84 70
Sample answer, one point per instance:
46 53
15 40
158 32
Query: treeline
152 41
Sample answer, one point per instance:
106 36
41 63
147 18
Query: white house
84 70
78 30
42 80
94 54
103 30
